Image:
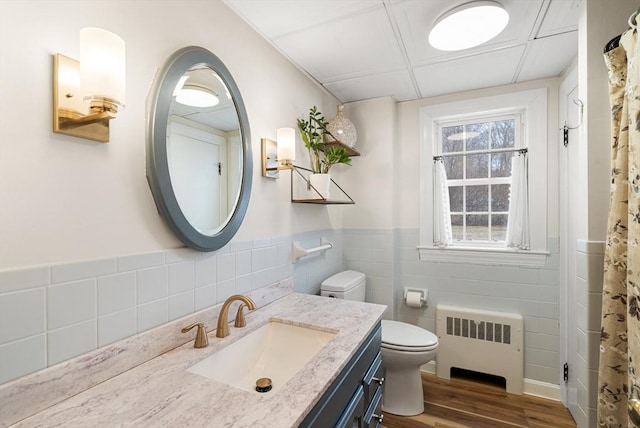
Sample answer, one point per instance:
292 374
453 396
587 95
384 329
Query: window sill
483 256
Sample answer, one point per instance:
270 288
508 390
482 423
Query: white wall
599 22
85 259
372 178
66 199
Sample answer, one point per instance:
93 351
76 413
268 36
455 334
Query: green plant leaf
313 131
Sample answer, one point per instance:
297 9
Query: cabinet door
373 379
353 412
348 389
373 416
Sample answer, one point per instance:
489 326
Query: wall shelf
322 202
307 194
329 144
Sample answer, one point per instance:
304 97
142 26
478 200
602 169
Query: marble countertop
160 392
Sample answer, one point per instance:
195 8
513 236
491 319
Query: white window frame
533 105
517 117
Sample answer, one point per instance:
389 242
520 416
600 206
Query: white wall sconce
87 94
278 155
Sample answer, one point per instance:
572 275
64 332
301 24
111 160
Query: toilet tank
348 284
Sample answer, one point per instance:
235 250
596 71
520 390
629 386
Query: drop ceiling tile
358 48
395 84
560 17
415 19
355 47
480 71
549 57
274 18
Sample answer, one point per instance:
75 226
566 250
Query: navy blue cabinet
354 399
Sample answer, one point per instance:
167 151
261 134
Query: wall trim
483 256
590 247
542 389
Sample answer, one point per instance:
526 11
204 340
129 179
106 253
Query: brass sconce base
68 107
270 164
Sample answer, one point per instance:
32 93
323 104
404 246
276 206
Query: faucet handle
240 321
201 335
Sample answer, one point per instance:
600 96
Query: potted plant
313 131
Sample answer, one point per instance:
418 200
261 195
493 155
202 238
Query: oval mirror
199 161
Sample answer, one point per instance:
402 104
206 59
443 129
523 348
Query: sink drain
263 384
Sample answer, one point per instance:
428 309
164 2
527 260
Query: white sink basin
276 350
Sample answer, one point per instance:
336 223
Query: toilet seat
401 336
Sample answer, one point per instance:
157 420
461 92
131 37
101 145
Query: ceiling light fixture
468 25
197 96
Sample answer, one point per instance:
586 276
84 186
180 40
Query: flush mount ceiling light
468 25
197 96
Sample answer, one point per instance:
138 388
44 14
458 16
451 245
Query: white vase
320 182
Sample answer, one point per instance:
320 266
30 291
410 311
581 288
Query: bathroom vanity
354 399
339 385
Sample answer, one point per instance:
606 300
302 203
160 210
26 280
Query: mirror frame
157 163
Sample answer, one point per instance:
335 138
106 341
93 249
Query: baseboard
531 387
430 367
542 389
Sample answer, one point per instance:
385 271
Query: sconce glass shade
102 66
468 25
286 138
342 129
197 96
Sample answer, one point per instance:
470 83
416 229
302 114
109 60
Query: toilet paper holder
423 294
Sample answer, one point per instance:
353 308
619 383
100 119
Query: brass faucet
201 336
223 327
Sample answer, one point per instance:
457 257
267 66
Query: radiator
482 341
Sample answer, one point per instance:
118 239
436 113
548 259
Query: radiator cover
482 341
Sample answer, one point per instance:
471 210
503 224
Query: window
479 146
477 156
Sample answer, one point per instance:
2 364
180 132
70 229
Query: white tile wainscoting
389 258
49 314
589 269
52 313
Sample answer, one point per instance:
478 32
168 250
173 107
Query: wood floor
463 402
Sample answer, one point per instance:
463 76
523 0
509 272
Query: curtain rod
480 152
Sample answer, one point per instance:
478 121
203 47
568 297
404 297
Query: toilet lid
400 335
342 281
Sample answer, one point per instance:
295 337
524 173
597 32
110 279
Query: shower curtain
619 371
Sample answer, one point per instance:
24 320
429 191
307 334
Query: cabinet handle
380 381
379 418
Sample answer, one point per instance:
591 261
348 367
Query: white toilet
405 347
